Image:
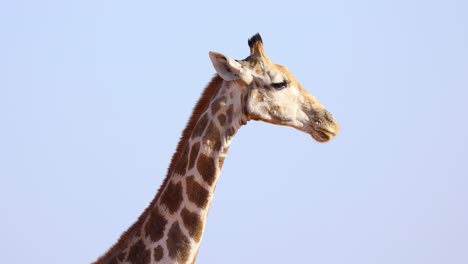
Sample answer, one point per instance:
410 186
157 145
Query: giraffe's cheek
260 113
257 107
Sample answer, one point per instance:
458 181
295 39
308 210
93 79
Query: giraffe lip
320 136
323 131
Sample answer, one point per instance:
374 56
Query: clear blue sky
94 95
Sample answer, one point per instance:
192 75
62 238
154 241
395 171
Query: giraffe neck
186 198
170 229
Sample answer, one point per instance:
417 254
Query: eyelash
280 86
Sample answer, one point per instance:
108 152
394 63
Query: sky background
94 96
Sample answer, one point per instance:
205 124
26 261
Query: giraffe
170 228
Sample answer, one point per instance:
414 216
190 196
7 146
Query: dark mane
199 109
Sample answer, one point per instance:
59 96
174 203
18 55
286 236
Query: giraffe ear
228 68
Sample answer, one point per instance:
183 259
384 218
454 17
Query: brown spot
114 261
200 126
118 259
193 224
206 167
213 136
177 244
222 119
172 196
121 256
155 225
181 166
217 104
221 161
158 253
230 132
193 155
259 97
196 193
275 108
138 254
229 113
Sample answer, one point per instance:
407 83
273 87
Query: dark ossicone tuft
254 39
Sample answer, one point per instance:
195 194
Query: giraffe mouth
323 133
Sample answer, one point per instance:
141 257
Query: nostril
329 117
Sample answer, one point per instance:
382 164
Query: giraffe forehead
275 76
270 72
285 72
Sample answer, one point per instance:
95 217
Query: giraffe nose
327 123
333 126
329 117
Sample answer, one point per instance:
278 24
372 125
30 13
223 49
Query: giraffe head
272 93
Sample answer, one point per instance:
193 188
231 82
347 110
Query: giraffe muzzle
324 127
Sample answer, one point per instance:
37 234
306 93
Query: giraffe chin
321 136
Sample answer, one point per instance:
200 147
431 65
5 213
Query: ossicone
256 45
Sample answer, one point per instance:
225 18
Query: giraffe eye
280 85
